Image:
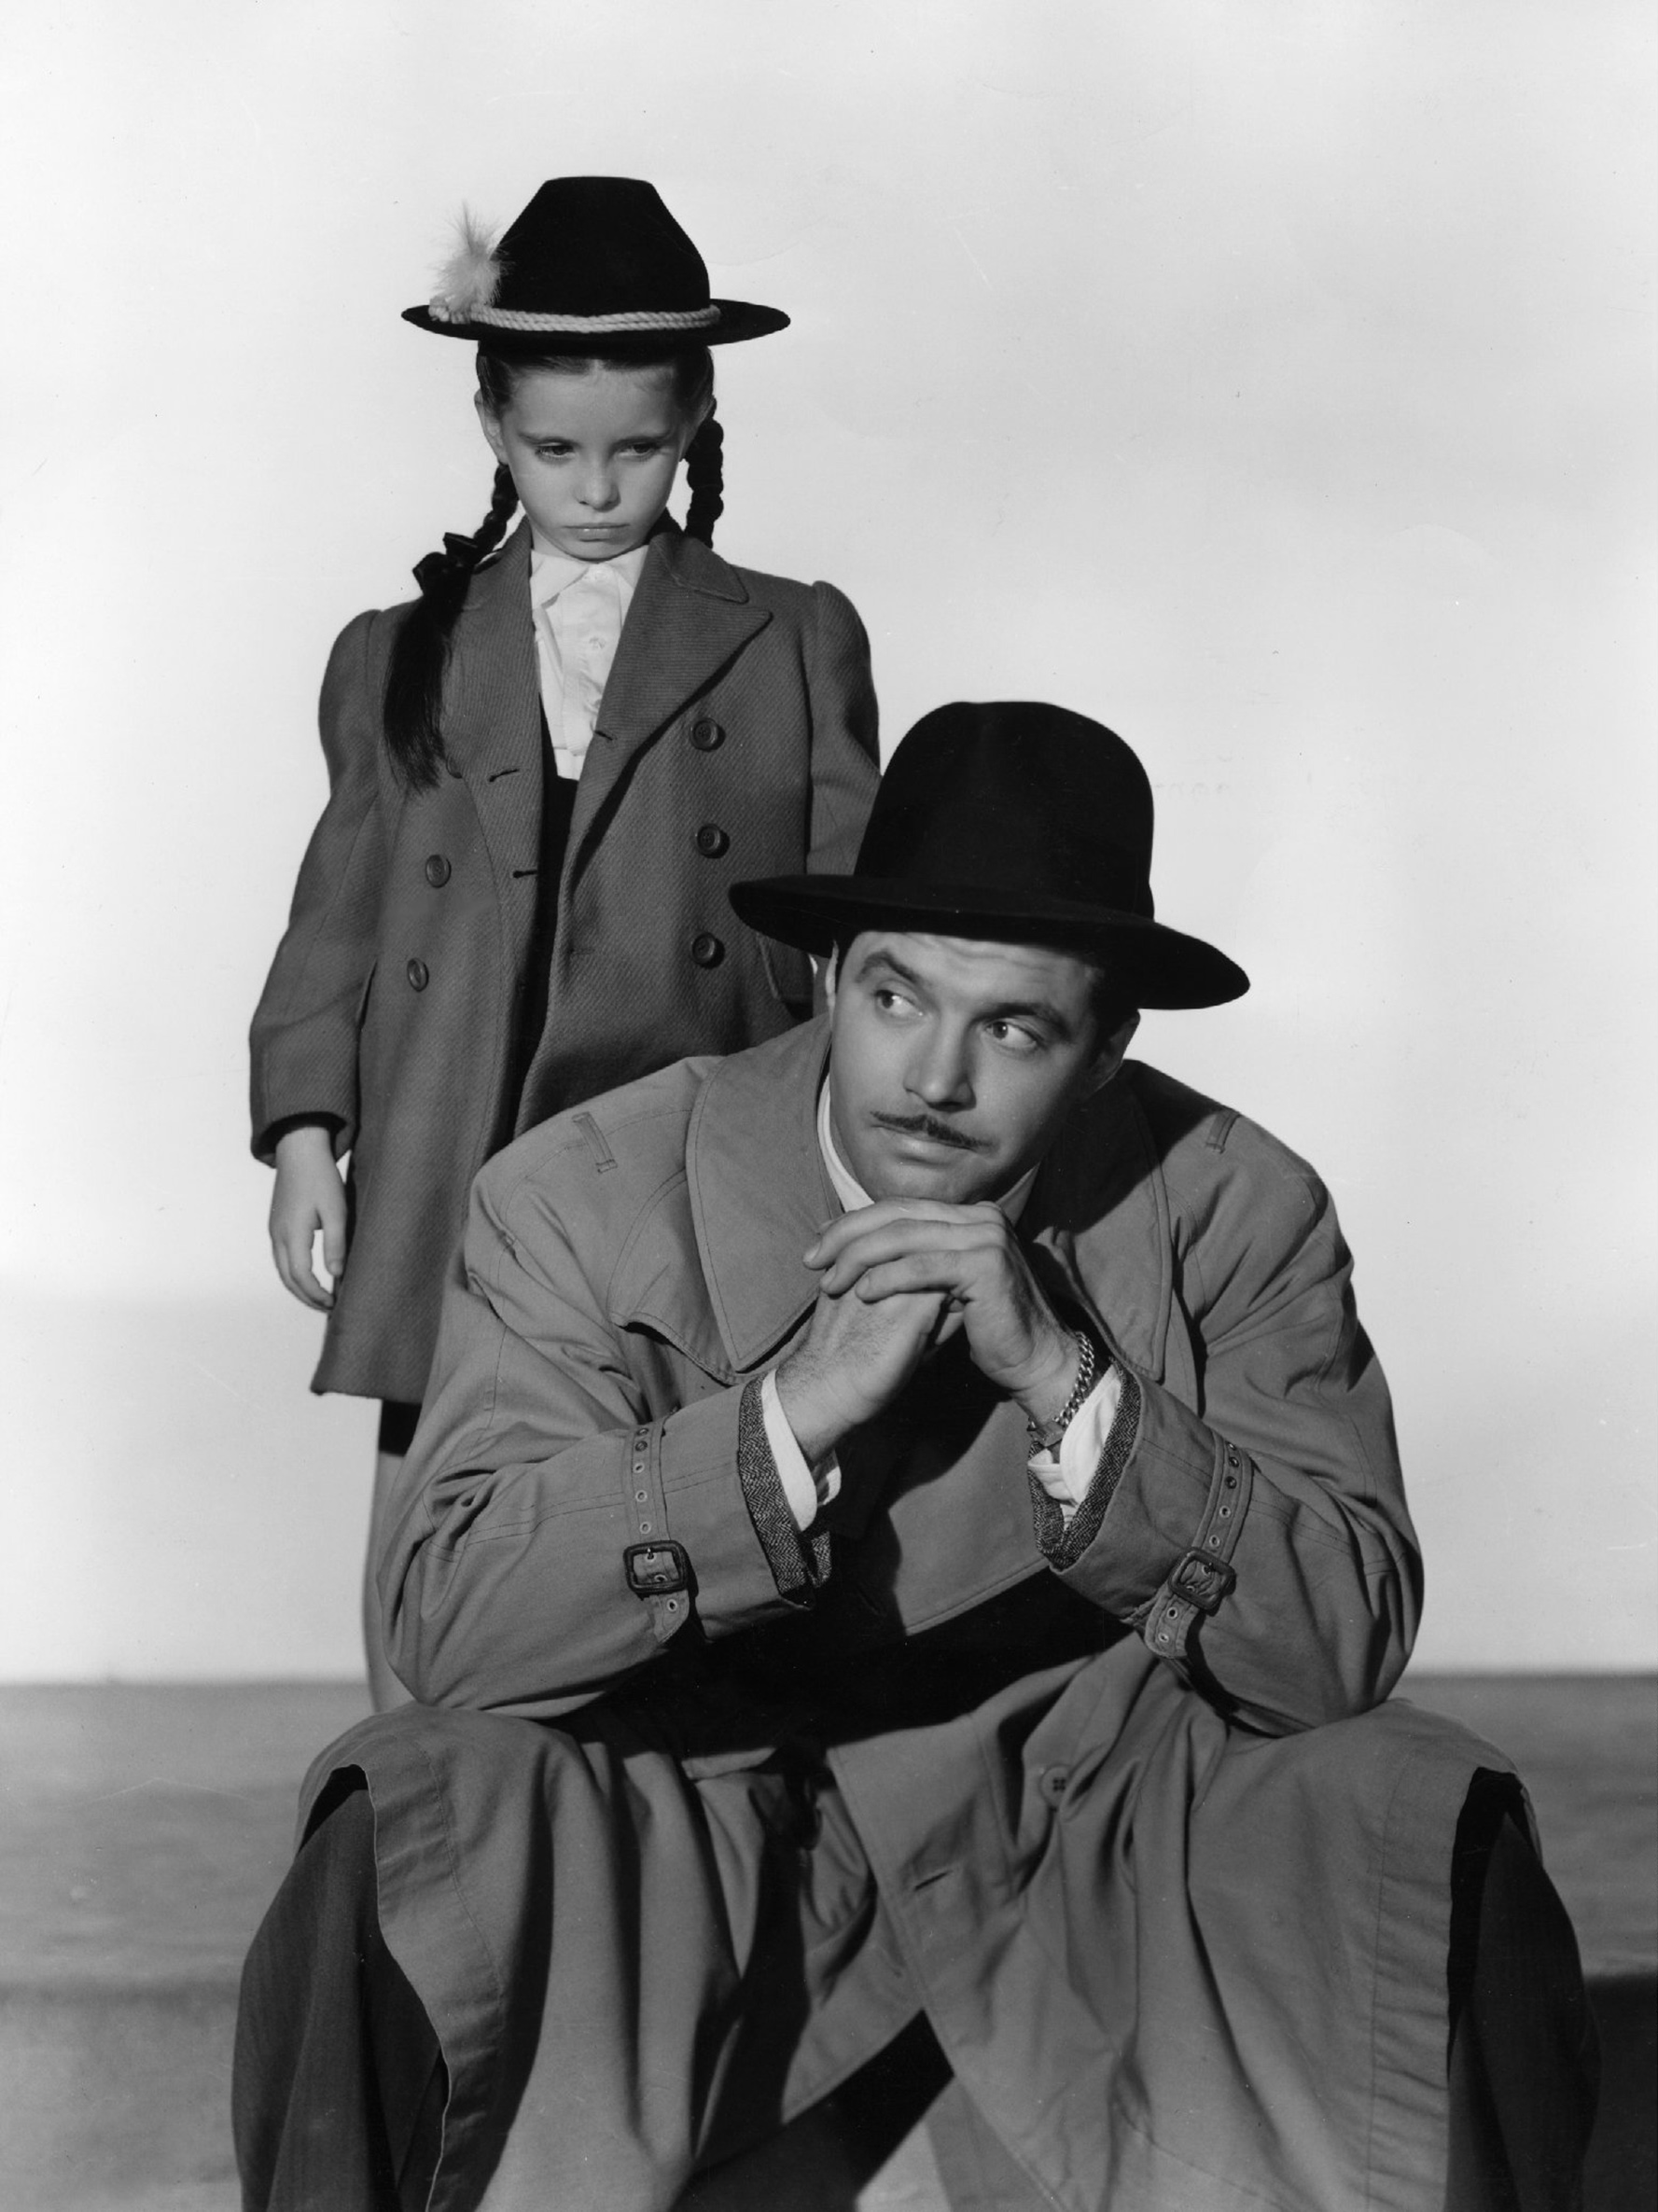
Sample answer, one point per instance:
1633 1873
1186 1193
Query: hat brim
1154 965
739 319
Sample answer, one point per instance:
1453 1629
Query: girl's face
592 454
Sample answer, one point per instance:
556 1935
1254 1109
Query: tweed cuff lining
1063 1546
799 1564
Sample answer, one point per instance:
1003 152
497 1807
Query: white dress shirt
578 608
1065 1475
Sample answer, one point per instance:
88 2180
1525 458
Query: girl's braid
705 477
414 679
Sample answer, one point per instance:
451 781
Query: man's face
955 1061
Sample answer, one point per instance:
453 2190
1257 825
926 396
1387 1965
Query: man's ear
831 974
1109 1057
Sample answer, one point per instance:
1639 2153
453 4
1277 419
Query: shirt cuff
1065 1474
805 1491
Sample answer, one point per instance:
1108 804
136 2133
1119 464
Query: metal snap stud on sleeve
711 840
706 948
438 871
419 975
706 736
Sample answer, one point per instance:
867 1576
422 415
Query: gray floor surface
142 1829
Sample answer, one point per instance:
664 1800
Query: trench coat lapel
759 1191
1098 1211
690 615
492 729
1099 1214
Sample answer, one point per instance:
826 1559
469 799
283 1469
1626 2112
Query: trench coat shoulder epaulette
598 1166
1200 1145
604 1190
1245 1212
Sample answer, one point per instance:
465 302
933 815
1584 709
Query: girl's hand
309 1196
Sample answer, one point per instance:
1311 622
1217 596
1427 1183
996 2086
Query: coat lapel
492 729
1099 1213
759 1192
1099 1216
691 616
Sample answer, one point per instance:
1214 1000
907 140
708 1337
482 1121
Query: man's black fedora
1012 821
594 262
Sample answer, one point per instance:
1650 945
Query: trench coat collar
759 1191
1096 1221
1099 1225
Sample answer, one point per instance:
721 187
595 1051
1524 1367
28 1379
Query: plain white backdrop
1267 378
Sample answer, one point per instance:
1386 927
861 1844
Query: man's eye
553 452
892 1002
1013 1038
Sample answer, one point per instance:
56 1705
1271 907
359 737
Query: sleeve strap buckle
656 1570
1203 1582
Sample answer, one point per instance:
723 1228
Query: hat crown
599 245
594 264
1016 822
1015 797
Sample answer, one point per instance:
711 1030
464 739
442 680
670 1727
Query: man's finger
850 1228
950 1274
983 1235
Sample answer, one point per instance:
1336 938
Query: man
906 1520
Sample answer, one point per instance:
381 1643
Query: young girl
543 773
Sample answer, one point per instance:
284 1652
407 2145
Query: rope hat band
507 318
592 262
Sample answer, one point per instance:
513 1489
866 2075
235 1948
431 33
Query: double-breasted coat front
736 737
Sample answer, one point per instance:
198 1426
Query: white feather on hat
470 277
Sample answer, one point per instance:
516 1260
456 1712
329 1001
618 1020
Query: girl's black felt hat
593 264
1016 822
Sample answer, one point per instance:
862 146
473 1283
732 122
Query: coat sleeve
845 755
1262 1547
550 1445
304 1035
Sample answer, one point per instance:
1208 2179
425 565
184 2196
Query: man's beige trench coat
1109 1802
736 737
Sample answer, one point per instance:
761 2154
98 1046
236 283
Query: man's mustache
926 1125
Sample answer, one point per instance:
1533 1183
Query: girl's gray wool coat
736 738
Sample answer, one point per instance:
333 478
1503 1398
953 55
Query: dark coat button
438 871
706 736
419 975
1052 1783
711 840
706 948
